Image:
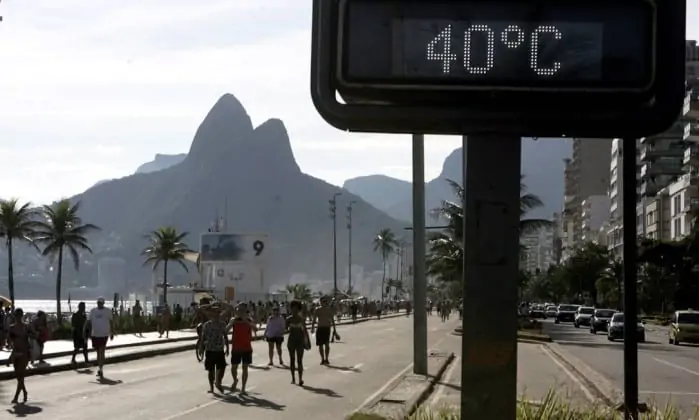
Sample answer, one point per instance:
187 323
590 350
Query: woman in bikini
19 336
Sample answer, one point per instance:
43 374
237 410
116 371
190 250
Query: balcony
680 130
665 167
693 132
691 157
691 205
662 149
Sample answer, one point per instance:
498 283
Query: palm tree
166 244
62 229
445 257
16 223
385 243
299 291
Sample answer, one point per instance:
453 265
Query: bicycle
199 347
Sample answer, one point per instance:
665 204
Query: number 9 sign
258 246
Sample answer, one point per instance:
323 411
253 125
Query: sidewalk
127 347
537 373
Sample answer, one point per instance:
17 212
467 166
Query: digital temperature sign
485 45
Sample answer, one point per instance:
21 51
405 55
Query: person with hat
101 327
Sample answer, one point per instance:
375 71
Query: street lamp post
333 215
349 252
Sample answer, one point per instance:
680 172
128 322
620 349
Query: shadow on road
322 391
107 381
248 400
85 371
344 368
24 410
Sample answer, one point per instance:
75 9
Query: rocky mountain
542 165
160 162
254 170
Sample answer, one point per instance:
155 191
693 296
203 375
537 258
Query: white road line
669 393
197 408
434 399
381 390
570 374
678 367
390 382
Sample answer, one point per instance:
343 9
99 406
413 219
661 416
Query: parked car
616 329
583 316
550 311
566 313
537 311
684 327
600 320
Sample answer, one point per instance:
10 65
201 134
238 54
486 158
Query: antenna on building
225 214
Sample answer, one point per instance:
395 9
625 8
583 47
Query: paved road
174 387
537 373
666 372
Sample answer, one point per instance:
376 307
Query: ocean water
49 306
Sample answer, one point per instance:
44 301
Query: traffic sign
583 68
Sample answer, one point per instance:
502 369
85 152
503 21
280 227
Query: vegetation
668 278
551 408
17 223
445 249
385 243
166 244
57 228
299 292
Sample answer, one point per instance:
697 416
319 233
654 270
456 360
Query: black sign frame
596 114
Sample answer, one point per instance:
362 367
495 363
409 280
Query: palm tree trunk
10 272
383 279
59 278
165 283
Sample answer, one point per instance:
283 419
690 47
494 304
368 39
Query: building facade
539 251
586 175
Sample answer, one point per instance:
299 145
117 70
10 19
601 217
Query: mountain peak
226 123
274 146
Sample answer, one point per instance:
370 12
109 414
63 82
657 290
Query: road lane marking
437 396
391 381
681 393
678 367
570 374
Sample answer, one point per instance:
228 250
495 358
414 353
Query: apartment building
594 215
586 175
539 251
667 189
614 230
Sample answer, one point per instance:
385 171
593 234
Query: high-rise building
667 165
539 251
586 175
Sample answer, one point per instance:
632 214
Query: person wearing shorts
215 341
241 350
102 330
274 334
325 317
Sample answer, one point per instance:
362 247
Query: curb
415 402
110 360
67 353
602 388
534 338
137 355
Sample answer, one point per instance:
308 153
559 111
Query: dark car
566 313
616 329
600 320
537 311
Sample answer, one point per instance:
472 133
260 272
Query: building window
676 204
677 227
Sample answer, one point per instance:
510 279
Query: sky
91 89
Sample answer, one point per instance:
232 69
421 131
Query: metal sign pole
419 240
491 248
630 299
